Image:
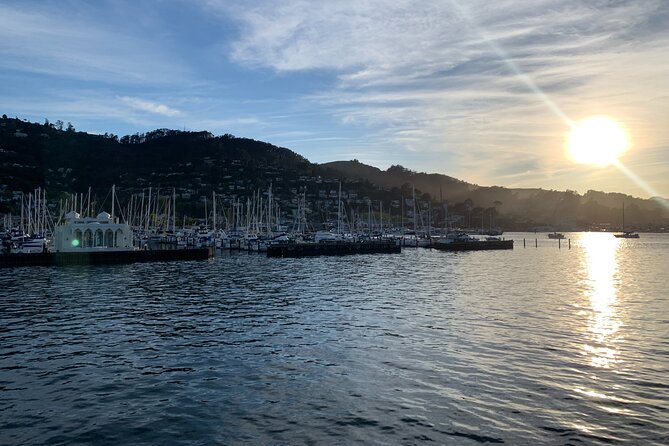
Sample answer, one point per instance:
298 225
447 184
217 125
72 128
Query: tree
70 127
59 125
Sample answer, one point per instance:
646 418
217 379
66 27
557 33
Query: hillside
549 207
194 164
395 176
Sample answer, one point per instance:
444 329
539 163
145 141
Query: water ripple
532 346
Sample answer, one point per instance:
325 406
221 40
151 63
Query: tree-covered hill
58 158
35 155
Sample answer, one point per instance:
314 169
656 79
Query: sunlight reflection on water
601 261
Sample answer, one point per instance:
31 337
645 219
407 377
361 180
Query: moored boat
627 234
460 241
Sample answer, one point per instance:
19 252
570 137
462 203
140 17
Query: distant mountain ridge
516 200
60 158
397 175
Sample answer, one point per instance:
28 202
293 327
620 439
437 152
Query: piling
523 243
536 243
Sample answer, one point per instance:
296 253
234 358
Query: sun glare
597 141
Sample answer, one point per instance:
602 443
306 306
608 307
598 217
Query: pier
103 257
332 248
474 245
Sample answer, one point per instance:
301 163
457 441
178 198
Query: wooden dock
103 257
474 245
333 248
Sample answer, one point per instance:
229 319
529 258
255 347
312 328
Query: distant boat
626 234
556 235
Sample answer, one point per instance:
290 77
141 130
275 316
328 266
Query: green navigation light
75 242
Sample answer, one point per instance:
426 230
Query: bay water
538 345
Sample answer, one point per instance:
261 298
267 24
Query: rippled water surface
531 346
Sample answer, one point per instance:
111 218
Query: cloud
148 106
457 82
473 89
45 38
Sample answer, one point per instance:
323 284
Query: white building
92 234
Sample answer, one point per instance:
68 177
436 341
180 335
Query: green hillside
193 164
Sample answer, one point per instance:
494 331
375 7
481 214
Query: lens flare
597 141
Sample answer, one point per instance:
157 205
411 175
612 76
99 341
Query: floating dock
332 248
474 245
103 257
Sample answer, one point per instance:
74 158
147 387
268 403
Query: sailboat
626 234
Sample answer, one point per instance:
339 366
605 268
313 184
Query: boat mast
113 200
413 189
339 210
30 214
213 197
22 210
148 211
381 212
429 218
402 217
88 208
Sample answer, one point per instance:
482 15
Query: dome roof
72 215
103 216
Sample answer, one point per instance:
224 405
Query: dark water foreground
530 346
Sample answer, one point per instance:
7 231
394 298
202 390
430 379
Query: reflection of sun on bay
597 141
602 266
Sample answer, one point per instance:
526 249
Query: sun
598 141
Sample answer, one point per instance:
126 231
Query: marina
334 223
143 237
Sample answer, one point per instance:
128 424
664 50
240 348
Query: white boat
327 236
25 244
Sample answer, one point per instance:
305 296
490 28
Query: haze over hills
60 159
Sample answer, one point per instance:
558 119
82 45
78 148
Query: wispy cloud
455 83
148 106
46 38
473 89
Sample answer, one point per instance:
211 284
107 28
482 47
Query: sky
482 91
